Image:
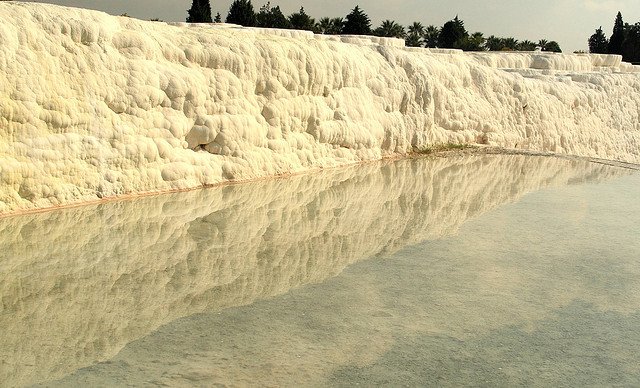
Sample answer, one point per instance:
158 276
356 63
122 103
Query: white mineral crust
94 106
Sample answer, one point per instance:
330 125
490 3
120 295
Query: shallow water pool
468 270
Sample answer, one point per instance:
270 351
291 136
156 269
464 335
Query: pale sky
570 22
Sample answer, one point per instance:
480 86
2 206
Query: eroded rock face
130 267
94 106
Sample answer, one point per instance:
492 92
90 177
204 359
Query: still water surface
470 270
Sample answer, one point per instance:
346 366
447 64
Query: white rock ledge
95 106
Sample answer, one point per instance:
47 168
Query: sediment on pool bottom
78 284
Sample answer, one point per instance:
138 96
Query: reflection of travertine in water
543 292
79 284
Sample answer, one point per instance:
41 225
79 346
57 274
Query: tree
617 37
430 37
598 43
631 44
271 17
526 45
357 23
552 46
218 18
452 34
390 29
301 21
509 44
415 34
493 43
200 12
337 24
542 43
474 42
241 12
323 25
329 26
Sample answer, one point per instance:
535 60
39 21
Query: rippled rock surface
95 106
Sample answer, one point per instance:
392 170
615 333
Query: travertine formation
95 106
132 266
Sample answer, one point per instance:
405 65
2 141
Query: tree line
452 34
624 40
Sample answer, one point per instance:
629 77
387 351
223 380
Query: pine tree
452 34
218 18
200 12
301 21
241 12
271 17
598 43
631 45
357 23
617 37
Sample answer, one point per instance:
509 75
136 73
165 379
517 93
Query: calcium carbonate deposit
95 106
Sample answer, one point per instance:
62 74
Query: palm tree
430 37
416 28
414 37
390 29
323 25
509 44
473 42
337 24
329 26
493 43
526 45
542 43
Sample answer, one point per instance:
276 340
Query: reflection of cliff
124 106
78 284
543 292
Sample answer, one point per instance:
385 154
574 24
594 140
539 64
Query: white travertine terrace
95 106
132 266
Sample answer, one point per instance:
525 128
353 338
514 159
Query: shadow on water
206 287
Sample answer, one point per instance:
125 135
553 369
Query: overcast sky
570 22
